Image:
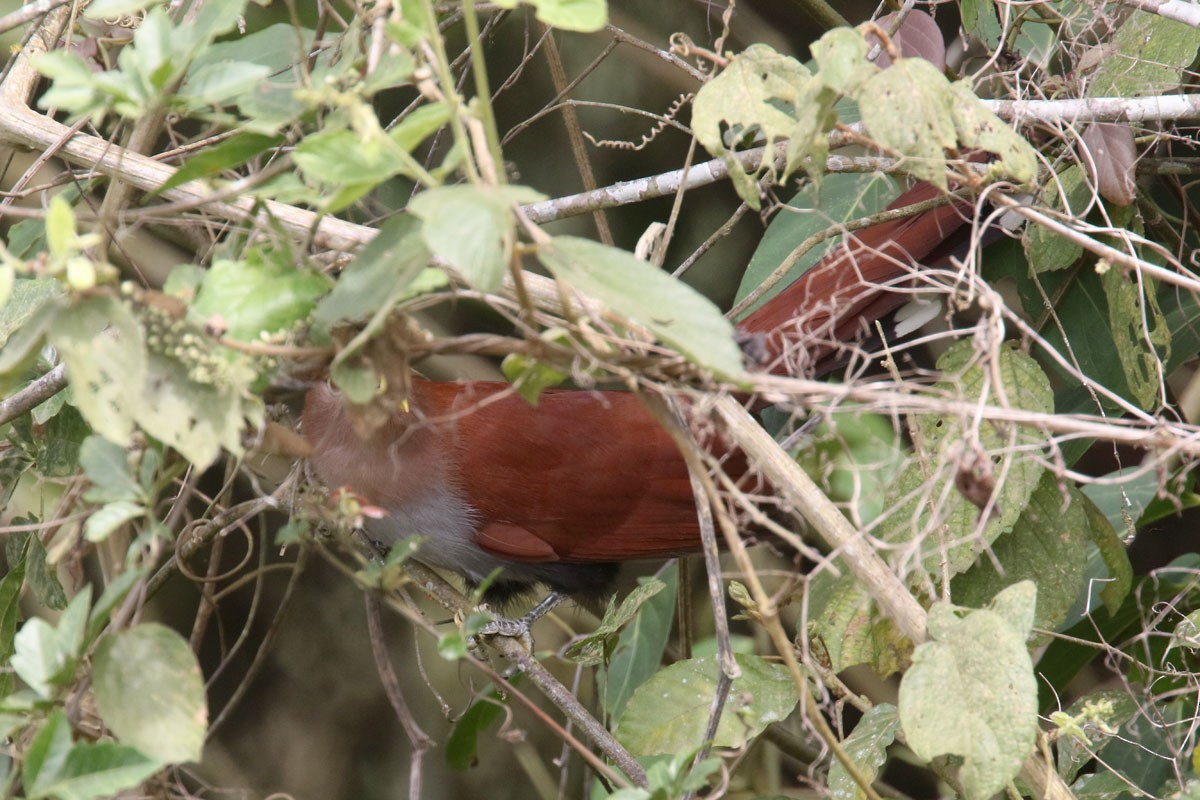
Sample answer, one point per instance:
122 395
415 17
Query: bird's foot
521 627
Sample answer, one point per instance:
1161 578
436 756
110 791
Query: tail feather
862 279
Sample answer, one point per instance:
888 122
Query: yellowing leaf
972 693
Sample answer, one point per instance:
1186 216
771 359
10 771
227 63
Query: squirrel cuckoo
560 493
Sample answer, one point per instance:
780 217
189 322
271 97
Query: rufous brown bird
559 494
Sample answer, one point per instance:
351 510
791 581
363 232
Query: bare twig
1186 12
25 13
34 394
421 742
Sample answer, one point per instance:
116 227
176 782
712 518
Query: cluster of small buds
169 334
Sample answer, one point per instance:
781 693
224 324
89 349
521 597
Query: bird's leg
520 627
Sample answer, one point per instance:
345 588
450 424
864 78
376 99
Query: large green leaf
847 628
378 274
150 692
1047 546
909 108
971 692
102 344
927 504
1146 57
472 228
641 293
261 294
764 94
668 713
839 198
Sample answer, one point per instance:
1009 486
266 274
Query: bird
513 496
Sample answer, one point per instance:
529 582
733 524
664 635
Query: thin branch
34 394
668 183
1186 12
24 14
419 740
1098 109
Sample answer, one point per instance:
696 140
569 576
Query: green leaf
42 577
261 295
25 307
395 70
847 628
639 647
108 9
463 742
150 692
668 713
971 692
762 93
471 228
1112 551
102 522
358 382
101 343
585 16
909 108
218 84
277 47
644 295
1147 57
1135 756
13 465
1047 546
419 125
344 158
107 467
232 152
48 750
867 748
841 58
113 594
60 228
1139 332
925 502
853 455
45 656
214 18
979 18
530 377
74 84
1046 250
1088 726
592 649
1112 509
8 277
378 275
979 128
54 767
100 770
194 418
154 59
10 614
840 198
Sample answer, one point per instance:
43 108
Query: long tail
859 281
